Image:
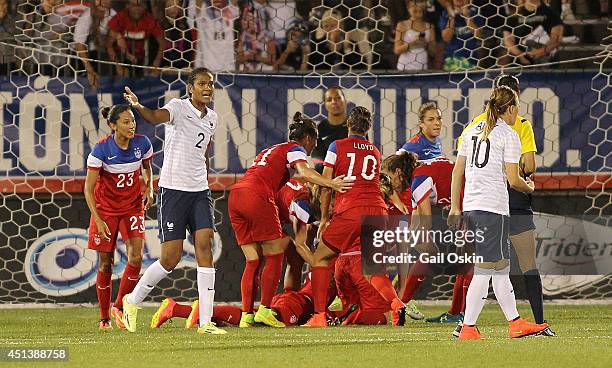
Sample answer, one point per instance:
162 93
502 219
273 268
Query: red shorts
253 218
130 226
343 234
293 308
353 288
363 317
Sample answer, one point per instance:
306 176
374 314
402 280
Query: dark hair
501 99
359 120
508 81
385 186
301 127
198 71
406 162
111 113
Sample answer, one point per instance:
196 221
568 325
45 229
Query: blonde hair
501 99
329 14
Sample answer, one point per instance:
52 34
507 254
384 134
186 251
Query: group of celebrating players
282 210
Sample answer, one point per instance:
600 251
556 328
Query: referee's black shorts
521 214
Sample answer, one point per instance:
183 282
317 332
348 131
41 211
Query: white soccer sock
476 295
154 274
504 292
206 292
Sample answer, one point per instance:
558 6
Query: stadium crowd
284 36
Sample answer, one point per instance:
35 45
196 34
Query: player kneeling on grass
114 196
489 157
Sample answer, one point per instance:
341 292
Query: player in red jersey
114 196
254 214
357 159
293 308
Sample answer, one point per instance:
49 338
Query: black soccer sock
533 285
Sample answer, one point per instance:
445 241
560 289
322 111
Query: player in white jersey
184 201
488 157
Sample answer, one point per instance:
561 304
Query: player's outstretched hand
103 230
340 184
130 97
454 219
148 198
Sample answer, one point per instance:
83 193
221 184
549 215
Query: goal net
49 103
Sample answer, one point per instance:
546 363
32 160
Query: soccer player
426 144
522 227
489 158
359 160
254 214
184 200
114 196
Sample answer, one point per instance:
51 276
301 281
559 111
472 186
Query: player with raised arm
489 158
114 196
184 201
522 226
254 214
359 160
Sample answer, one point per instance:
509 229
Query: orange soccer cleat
163 313
521 328
317 320
399 312
117 314
469 333
194 316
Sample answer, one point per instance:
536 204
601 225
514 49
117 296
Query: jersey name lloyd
363 146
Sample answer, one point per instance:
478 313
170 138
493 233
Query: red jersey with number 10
358 159
271 168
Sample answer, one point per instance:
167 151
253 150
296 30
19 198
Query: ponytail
501 99
301 127
111 113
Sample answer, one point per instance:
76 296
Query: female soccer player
254 214
184 201
489 157
426 144
359 160
114 196
522 226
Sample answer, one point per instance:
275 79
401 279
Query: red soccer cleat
117 314
163 313
317 320
521 328
399 312
469 333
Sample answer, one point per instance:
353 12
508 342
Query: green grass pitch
585 340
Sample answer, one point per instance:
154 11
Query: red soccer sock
226 314
104 291
457 295
129 279
369 318
248 285
181 310
320 284
270 277
384 286
416 276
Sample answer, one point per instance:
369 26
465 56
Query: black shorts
521 222
492 244
179 211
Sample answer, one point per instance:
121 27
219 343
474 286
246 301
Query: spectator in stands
7 34
283 16
460 31
433 12
328 42
256 45
533 34
214 22
178 49
412 38
333 127
48 30
295 54
90 35
131 29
